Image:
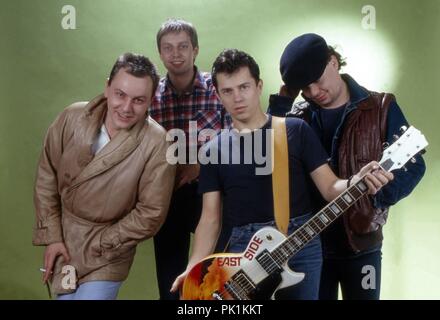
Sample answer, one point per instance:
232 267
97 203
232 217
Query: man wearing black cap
237 196
352 124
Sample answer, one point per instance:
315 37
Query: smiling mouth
124 117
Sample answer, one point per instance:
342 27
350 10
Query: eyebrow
181 42
137 97
237 86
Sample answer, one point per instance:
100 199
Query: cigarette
44 270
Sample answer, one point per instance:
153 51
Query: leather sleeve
404 182
47 201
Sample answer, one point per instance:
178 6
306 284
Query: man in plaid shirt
183 96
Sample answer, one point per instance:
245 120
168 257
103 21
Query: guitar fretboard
297 240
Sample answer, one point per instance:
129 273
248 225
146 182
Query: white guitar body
270 238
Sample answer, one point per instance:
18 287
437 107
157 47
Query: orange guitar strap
280 174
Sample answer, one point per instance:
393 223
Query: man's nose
237 95
175 52
314 90
127 105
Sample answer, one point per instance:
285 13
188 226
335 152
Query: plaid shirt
174 111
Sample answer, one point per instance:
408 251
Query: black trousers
172 242
359 276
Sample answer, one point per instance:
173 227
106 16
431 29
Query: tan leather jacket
101 206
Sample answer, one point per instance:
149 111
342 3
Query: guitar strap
280 174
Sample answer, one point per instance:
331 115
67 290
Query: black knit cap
304 60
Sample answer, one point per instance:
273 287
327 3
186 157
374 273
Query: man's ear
260 85
217 95
334 62
196 52
161 57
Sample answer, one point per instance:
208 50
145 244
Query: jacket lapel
113 152
87 128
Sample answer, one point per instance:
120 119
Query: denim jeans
94 290
308 260
359 276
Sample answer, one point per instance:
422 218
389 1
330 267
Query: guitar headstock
410 143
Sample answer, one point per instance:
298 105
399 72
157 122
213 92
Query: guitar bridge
240 286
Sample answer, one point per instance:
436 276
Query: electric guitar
262 269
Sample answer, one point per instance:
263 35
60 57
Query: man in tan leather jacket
103 184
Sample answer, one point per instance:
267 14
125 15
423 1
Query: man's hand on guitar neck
374 177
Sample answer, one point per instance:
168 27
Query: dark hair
230 61
332 52
137 65
177 25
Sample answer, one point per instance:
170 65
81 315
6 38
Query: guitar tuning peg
404 169
403 129
395 137
385 145
423 151
413 160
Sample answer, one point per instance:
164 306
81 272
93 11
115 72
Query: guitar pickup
267 262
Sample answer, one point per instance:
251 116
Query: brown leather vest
364 132
361 142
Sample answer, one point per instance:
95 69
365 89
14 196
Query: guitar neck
304 234
410 143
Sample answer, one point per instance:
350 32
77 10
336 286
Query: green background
44 68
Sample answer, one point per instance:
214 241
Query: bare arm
330 186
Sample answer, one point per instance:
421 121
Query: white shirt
101 140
